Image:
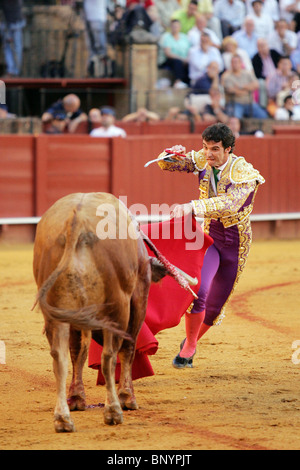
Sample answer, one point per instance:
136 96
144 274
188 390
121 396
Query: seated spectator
263 23
141 115
65 114
5 114
235 125
230 48
186 16
265 60
282 39
269 8
264 65
188 114
94 116
289 110
108 127
295 55
246 37
292 84
288 10
231 13
209 79
278 80
165 9
215 110
175 47
201 56
239 85
200 27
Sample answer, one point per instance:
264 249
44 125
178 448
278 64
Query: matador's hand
182 210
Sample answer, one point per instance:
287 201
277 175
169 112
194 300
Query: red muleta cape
183 243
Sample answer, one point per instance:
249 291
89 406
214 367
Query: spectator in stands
206 8
230 48
269 8
188 114
12 35
264 64
94 116
165 9
210 78
295 56
263 23
278 80
291 85
201 56
95 17
215 111
5 114
141 115
187 16
175 47
289 110
231 13
200 27
288 10
265 60
239 85
65 114
246 37
282 39
108 127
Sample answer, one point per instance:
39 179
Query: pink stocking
193 323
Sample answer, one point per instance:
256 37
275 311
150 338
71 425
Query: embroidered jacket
236 188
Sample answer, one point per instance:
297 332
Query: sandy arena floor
242 394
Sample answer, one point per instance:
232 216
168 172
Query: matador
228 185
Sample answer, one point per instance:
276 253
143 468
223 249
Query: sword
173 154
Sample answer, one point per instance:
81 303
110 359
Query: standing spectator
239 85
12 35
201 56
186 16
263 23
269 8
246 37
96 17
175 47
231 13
282 39
108 127
200 27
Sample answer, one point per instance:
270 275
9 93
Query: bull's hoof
76 403
113 415
63 424
128 402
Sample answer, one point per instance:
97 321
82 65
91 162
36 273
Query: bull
90 285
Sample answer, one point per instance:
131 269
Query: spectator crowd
235 58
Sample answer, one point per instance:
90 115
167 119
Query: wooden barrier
36 171
70 163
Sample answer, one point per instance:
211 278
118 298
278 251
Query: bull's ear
158 270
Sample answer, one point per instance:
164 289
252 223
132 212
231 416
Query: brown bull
91 278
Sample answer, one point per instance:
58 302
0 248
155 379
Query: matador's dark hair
219 132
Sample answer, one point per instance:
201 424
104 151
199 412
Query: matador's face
215 153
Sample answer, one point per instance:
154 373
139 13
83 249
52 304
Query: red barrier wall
17 176
70 163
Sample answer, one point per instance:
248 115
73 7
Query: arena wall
37 170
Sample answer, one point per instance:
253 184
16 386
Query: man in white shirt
201 56
231 13
200 27
108 128
263 24
283 40
246 37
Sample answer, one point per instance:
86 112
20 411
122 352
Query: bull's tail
91 317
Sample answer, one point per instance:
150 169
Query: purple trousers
219 271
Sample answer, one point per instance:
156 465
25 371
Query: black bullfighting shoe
181 362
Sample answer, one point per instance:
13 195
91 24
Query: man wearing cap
228 186
107 127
